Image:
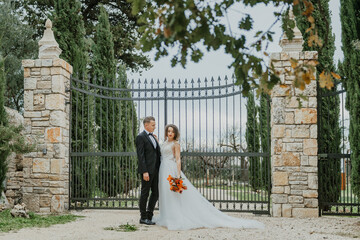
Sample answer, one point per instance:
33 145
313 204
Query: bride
189 209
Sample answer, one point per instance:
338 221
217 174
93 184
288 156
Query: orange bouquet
176 184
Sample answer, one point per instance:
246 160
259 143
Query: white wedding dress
190 209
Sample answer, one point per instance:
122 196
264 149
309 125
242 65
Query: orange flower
176 184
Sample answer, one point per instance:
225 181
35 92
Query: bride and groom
176 211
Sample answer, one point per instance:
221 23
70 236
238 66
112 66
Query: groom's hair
148 119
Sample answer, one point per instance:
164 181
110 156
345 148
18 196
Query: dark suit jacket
148 156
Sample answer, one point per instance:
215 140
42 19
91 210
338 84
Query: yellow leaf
283 86
296 2
311 19
325 80
294 63
306 77
336 76
167 32
266 54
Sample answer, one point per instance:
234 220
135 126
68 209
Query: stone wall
46 119
293 137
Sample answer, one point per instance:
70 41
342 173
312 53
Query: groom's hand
146 176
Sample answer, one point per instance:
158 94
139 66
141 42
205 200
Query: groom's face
150 127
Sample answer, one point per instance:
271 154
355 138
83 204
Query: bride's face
170 134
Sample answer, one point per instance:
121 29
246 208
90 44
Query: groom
148 153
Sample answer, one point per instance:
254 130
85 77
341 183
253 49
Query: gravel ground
92 227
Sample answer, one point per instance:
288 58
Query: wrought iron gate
334 160
211 115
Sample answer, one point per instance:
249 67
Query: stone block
53 135
45 210
46 62
32 201
280 178
60 150
278 131
28 63
41 165
310 194
305 116
284 56
38 63
296 199
28 100
276 210
39 99
57 166
45 113
301 131
277 190
277 146
294 147
45 71
59 63
279 198
29 114
40 123
30 83
27 72
304 160
44 85
312 102
57 204
58 119
290 159
55 102
313 161
286 210
289 118
281 90
313 181
310 147
305 212
313 131
56 70
58 84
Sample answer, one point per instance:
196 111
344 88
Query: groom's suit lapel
148 138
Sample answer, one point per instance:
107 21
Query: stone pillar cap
296 44
48 47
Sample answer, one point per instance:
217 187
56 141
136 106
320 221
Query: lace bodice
167 152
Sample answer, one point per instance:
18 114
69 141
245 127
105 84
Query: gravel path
92 227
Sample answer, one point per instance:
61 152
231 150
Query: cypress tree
264 137
329 132
350 22
69 32
107 110
253 143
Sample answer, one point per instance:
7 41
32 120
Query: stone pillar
293 137
46 121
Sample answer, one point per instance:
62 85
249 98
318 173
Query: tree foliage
184 24
123 25
264 128
252 137
350 22
16 44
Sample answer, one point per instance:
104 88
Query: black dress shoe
146 221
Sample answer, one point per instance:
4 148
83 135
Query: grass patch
9 223
123 228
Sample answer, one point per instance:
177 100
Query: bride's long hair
176 131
